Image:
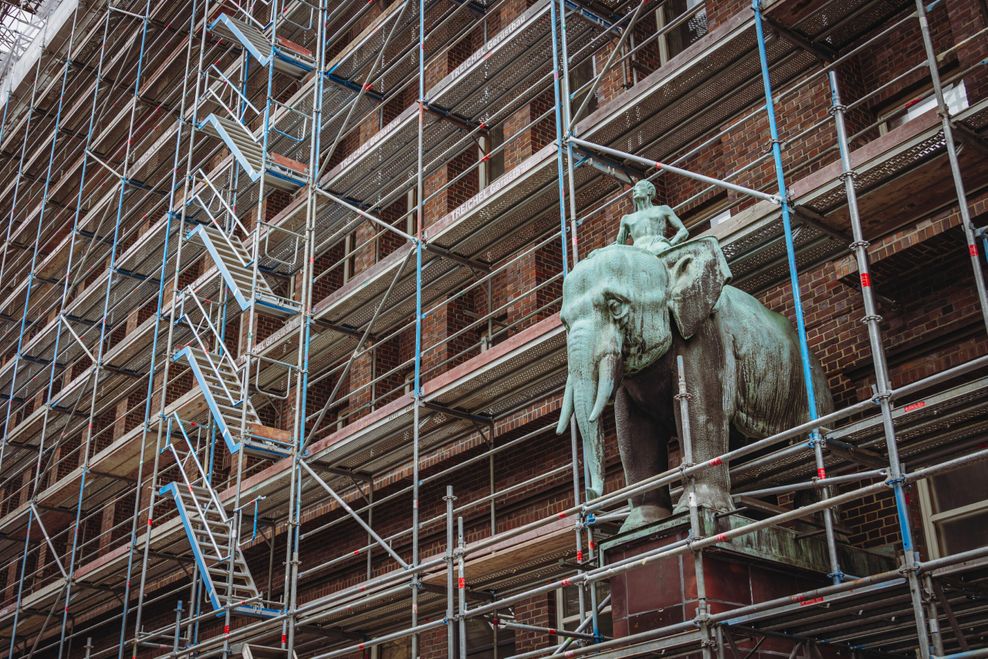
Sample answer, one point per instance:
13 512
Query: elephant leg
644 446
710 435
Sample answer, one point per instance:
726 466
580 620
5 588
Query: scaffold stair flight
288 57
233 413
279 171
234 264
207 526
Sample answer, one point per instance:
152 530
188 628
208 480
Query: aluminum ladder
208 529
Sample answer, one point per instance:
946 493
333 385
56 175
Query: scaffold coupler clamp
849 174
836 108
837 575
877 397
702 620
910 567
589 519
779 200
893 482
773 143
815 438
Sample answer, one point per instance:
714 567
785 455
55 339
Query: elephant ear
697 274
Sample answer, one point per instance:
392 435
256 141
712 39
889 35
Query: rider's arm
682 233
622 237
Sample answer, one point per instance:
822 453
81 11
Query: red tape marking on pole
865 279
821 473
972 249
461 583
914 406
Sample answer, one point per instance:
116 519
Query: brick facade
926 293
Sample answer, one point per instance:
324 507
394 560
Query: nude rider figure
647 226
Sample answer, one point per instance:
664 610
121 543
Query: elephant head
616 309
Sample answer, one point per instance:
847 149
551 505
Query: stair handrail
226 205
202 346
229 85
287 15
272 228
224 354
202 471
185 477
287 112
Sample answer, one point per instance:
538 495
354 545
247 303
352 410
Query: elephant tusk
606 377
567 410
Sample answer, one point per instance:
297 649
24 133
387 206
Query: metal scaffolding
184 182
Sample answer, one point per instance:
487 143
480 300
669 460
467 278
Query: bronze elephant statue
627 315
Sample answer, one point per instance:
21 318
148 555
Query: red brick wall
833 306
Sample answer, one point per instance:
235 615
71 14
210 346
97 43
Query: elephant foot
707 496
643 516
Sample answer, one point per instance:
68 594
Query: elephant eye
617 307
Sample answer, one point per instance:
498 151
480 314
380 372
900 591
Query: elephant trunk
591 383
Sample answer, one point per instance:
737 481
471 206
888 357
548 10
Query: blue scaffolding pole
67 284
169 341
20 339
3 265
97 365
156 329
308 271
815 442
417 377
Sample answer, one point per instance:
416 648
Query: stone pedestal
763 565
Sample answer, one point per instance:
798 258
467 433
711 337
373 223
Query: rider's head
642 193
